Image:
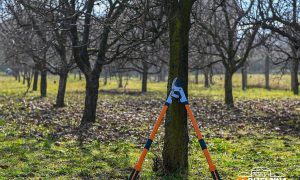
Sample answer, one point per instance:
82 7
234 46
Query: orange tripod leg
212 167
138 166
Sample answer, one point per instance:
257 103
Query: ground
39 140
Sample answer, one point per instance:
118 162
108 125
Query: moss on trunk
175 152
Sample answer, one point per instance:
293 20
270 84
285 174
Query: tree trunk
91 98
162 74
24 77
120 77
18 76
105 78
267 72
43 83
28 78
175 150
211 75
244 78
206 77
197 76
74 75
35 79
145 77
228 88
294 75
60 98
15 75
80 77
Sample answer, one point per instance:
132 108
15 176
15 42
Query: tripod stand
176 92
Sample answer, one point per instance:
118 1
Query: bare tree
105 43
282 17
228 24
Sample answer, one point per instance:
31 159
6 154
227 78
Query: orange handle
212 167
138 165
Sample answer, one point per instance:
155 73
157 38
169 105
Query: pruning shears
176 92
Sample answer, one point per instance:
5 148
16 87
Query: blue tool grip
215 175
202 144
134 175
148 144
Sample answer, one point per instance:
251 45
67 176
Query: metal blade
174 82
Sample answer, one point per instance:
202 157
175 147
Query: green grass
31 150
280 86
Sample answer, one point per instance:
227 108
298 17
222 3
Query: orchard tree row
98 38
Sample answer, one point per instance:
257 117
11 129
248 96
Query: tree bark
43 83
197 76
80 76
105 78
35 79
228 88
175 150
162 74
145 77
120 77
244 78
60 98
24 77
211 75
267 72
15 74
294 75
91 98
206 77
19 76
28 79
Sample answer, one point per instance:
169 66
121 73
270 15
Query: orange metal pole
138 165
212 167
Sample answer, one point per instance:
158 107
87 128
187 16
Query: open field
40 141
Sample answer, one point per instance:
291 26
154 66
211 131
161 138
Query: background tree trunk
17 74
80 76
28 79
91 98
294 75
35 78
120 77
162 74
145 77
244 78
197 76
175 150
206 77
43 83
211 75
105 78
24 76
228 88
267 72
60 98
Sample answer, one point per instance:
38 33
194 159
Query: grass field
40 141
